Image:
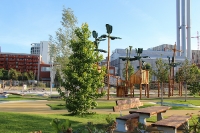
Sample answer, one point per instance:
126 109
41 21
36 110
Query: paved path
40 107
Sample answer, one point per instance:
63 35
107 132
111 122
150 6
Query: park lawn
60 105
25 97
25 123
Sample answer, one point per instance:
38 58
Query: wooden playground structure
122 86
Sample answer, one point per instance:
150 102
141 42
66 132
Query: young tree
59 46
81 75
57 77
23 76
31 75
1 73
161 72
187 74
5 74
130 70
13 74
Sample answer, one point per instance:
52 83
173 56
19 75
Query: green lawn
25 97
24 123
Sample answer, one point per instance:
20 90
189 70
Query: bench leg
142 118
184 126
121 125
167 129
159 116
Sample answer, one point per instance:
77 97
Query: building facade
25 63
153 55
42 49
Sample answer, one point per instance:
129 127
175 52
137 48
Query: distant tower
184 17
197 40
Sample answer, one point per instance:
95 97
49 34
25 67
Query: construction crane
197 40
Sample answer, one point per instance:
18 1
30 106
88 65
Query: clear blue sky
140 23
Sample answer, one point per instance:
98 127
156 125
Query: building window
111 71
45 69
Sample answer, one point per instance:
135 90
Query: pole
183 29
108 70
178 26
140 80
188 32
185 91
51 76
162 94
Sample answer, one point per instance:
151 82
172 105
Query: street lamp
51 76
109 31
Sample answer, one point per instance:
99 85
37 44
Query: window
111 71
45 69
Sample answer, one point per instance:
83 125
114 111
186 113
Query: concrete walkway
40 107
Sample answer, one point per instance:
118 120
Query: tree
130 70
5 74
13 74
23 76
161 72
57 77
31 75
1 73
59 46
187 74
81 75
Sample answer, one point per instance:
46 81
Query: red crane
197 40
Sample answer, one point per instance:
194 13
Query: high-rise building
42 49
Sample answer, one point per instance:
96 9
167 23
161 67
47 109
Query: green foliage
59 46
40 84
81 76
130 70
1 73
13 74
5 74
187 73
31 75
23 76
195 127
194 88
162 70
61 125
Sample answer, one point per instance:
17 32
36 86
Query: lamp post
109 31
51 76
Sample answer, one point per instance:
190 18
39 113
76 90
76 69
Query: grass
25 97
24 123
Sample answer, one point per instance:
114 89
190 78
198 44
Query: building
25 63
196 56
118 63
42 49
163 47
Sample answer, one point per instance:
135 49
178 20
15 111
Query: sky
140 23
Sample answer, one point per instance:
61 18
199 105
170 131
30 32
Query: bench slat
173 121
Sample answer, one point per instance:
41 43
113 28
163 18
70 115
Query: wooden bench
127 104
121 121
172 123
123 105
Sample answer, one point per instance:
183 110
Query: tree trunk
161 94
185 92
